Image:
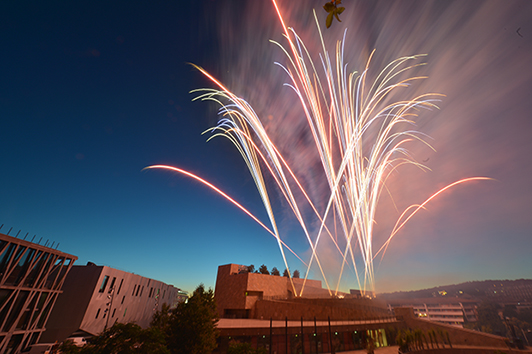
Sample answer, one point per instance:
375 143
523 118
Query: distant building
31 279
96 297
447 310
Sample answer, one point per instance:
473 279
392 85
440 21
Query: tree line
263 269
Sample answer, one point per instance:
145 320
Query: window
151 290
113 313
141 290
134 287
120 287
104 283
138 288
112 284
97 313
123 298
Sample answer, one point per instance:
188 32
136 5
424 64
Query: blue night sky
92 92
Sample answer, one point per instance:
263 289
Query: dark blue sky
93 92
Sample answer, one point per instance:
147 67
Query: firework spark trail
360 135
223 194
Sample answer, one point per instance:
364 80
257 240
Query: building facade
96 297
451 311
240 294
284 315
31 280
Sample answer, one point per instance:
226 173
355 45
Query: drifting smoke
470 60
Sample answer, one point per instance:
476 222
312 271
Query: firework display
361 130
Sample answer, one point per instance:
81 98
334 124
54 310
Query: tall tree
251 268
161 318
275 271
264 270
192 325
296 274
286 273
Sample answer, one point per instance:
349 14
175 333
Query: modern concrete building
267 312
31 279
240 294
96 297
449 310
271 312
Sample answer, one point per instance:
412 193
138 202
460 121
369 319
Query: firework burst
361 133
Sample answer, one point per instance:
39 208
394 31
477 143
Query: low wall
458 336
321 309
469 350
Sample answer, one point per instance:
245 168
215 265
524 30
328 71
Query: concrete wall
230 288
322 309
70 307
83 307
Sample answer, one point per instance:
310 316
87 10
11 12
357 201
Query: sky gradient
94 92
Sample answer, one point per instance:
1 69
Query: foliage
333 10
244 348
251 268
189 328
488 319
275 271
286 273
124 339
408 340
522 318
403 340
418 339
296 274
161 318
264 270
192 325
68 347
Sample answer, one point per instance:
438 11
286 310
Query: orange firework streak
219 191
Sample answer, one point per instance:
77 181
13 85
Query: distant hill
496 290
